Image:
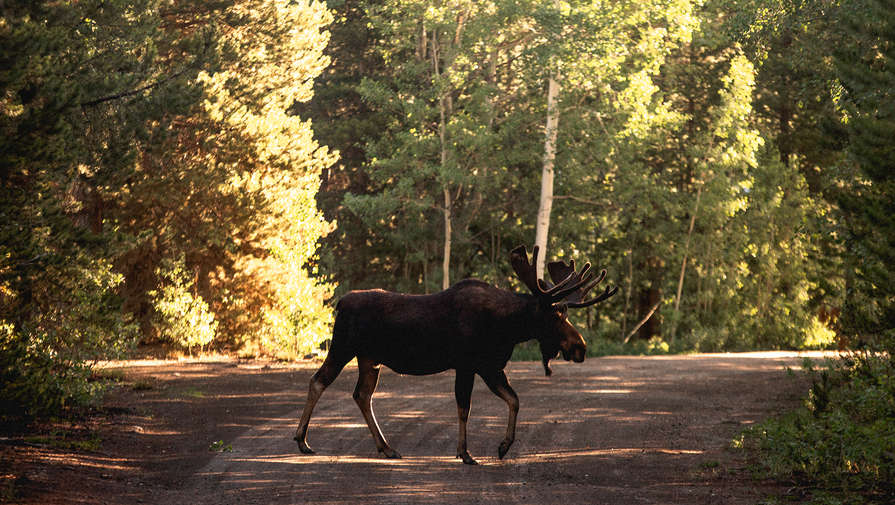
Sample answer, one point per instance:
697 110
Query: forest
214 174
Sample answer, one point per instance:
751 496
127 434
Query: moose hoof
504 448
390 453
467 459
303 446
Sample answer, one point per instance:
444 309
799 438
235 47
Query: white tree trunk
446 264
444 110
542 224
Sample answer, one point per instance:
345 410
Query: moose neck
525 315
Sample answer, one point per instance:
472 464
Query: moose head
552 300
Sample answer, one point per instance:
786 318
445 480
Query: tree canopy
213 174
155 185
707 155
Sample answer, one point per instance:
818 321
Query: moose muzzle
575 353
573 348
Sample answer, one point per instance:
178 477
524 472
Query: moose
470 327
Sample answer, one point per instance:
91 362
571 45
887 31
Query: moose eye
563 310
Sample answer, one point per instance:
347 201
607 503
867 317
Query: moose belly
416 358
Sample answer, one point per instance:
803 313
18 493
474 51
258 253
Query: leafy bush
46 362
35 380
818 336
843 438
182 317
708 339
299 320
598 346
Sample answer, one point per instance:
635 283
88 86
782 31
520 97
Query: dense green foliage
866 70
842 440
152 188
841 443
730 162
59 305
675 169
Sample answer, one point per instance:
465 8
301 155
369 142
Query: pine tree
867 75
77 87
230 185
136 135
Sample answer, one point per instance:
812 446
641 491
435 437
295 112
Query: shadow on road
610 430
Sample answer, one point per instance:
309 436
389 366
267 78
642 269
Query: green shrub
182 317
598 346
843 438
46 361
35 381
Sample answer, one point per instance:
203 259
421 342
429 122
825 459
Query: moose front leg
500 386
463 393
368 377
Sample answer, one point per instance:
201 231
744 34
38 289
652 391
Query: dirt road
611 430
620 430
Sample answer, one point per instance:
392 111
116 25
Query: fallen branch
643 321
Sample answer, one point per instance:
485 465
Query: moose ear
558 270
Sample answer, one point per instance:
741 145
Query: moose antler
584 282
525 271
572 287
606 294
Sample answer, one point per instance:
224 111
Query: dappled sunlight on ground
607 431
591 433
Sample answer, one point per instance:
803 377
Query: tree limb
125 94
643 321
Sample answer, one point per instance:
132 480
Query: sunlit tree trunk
543 221
442 133
446 109
630 256
446 263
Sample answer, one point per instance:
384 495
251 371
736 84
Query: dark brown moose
470 327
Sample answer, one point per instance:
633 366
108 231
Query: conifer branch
125 94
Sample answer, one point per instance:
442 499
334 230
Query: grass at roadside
66 441
598 347
840 445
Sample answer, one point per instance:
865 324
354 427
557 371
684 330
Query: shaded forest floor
609 430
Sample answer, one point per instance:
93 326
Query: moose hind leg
499 385
368 377
319 382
